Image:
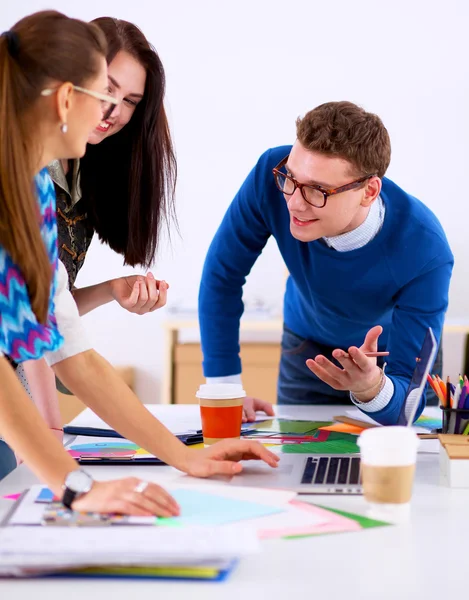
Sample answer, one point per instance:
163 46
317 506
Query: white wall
238 76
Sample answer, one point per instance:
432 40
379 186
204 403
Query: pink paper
335 523
12 497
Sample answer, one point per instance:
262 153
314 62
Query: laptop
338 473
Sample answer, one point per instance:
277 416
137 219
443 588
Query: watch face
79 481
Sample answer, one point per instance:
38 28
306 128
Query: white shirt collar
364 233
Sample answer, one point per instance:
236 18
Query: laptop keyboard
332 470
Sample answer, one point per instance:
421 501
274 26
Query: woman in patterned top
28 254
51 97
126 210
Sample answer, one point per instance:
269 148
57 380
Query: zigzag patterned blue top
21 336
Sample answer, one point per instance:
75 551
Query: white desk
424 559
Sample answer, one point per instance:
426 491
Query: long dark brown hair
128 179
42 48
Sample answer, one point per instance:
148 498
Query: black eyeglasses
316 195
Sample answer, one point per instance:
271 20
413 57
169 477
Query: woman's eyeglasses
108 103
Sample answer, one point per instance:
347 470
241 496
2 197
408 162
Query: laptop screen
424 363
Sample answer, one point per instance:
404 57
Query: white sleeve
68 322
225 379
380 401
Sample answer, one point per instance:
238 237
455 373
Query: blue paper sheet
200 508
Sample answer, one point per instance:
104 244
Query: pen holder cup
455 420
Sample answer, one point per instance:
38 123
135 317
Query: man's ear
64 99
372 191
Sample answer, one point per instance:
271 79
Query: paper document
189 421
430 419
29 547
202 508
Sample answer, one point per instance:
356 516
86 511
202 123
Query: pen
369 354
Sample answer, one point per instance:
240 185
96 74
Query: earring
64 128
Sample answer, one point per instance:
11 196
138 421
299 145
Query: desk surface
422 559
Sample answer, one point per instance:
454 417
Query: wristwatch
77 483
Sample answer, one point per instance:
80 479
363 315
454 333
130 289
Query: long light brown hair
42 48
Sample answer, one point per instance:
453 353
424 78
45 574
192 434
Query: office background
238 75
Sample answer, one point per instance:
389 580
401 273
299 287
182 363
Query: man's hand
253 404
360 374
138 293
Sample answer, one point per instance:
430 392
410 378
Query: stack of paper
205 542
218 525
35 550
174 421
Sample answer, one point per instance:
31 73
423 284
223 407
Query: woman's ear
372 191
64 98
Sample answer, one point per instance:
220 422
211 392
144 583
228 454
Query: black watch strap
68 498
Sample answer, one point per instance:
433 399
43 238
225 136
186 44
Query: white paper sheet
55 546
167 414
358 414
28 512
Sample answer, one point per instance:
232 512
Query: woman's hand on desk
222 458
253 404
122 496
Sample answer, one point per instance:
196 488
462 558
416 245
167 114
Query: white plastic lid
220 391
388 446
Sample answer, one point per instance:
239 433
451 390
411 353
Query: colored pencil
434 387
437 389
443 389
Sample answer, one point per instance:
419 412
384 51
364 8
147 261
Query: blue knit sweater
399 280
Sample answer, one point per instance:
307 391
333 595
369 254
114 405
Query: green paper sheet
288 426
364 522
336 443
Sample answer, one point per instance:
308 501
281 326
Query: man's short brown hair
345 130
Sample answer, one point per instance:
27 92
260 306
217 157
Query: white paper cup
388 457
221 410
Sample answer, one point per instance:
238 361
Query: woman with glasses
122 190
51 97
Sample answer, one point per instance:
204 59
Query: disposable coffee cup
388 457
221 411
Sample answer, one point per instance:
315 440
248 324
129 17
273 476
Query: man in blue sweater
369 267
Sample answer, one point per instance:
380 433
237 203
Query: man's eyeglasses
316 195
108 103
